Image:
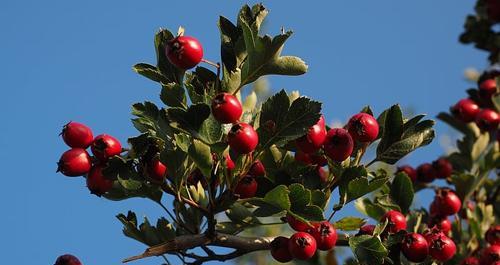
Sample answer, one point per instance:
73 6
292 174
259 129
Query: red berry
363 127
431 232
426 173
74 162
302 245
279 250
325 235
97 183
465 110
410 171
229 163
366 230
105 146
447 202
442 224
303 158
441 247
319 160
246 188
493 235
242 138
470 261
297 225
322 174
314 139
490 255
257 169
338 144
396 223
67 259
184 52
487 120
487 88
77 135
157 171
415 247
226 108
443 168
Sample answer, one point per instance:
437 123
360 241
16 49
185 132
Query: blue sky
71 60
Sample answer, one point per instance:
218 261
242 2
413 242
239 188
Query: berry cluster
303 244
428 172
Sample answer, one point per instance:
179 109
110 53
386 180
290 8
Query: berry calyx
97 183
441 247
105 146
157 171
490 255
296 224
338 144
302 245
226 108
243 138
246 188
487 88
67 259
443 168
426 173
396 221
415 247
77 135
257 169
493 235
363 127
314 139
410 171
465 110
325 235
74 162
184 52
447 202
366 230
487 120
442 223
279 250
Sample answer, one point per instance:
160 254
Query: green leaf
150 72
154 121
368 249
233 53
201 156
349 223
165 230
464 183
299 196
168 70
454 123
211 131
319 198
393 128
367 207
266 210
241 215
355 183
279 197
310 213
189 120
175 161
402 191
173 95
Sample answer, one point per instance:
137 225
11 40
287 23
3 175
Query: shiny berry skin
302 245
465 110
314 139
397 221
257 169
443 168
366 230
67 259
338 144
77 135
105 146
226 108
441 223
470 261
487 88
279 250
363 127
229 163
74 162
447 202
184 52
410 171
296 225
325 235
97 183
490 255
487 120
157 171
441 247
426 173
243 138
493 235
246 188
415 247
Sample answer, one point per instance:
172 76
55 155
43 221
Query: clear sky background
71 60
